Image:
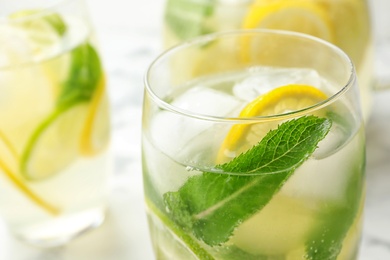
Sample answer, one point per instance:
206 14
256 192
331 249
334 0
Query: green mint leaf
85 72
211 205
186 17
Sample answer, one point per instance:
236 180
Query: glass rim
46 8
253 119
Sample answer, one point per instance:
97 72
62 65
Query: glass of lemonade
54 131
253 148
345 23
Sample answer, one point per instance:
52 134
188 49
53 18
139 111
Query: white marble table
129 35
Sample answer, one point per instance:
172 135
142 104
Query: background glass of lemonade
54 130
252 149
345 23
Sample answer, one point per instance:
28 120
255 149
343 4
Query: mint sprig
210 206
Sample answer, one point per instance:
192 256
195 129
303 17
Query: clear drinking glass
54 131
253 148
345 23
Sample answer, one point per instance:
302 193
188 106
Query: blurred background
130 37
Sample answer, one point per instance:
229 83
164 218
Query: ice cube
206 101
28 41
173 132
332 142
14 48
264 79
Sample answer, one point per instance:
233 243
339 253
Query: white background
129 33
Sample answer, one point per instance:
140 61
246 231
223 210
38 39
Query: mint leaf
186 17
211 205
85 72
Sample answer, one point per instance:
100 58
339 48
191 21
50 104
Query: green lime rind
198 248
189 241
33 145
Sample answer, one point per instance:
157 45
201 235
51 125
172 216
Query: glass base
60 231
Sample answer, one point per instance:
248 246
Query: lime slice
280 100
55 143
96 130
289 222
300 16
8 165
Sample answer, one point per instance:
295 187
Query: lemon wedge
297 15
8 165
280 100
95 133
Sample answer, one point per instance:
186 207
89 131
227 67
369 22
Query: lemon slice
352 26
300 16
95 133
8 165
55 143
280 100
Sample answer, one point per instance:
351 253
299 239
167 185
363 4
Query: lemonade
345 23
253 160
297 212
55 127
